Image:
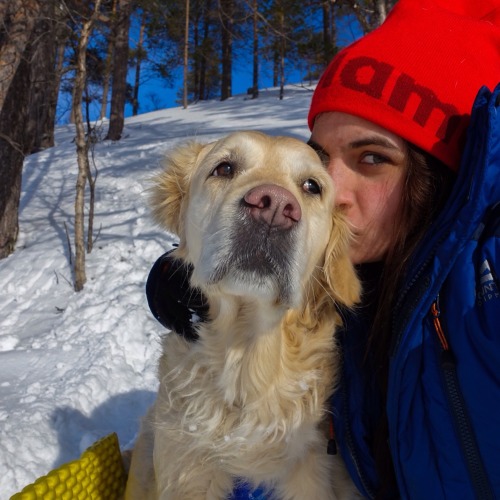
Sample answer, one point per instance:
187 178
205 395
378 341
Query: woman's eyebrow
322 154
319 149
373 141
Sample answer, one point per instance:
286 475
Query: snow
76 366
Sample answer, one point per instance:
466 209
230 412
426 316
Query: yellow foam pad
98 474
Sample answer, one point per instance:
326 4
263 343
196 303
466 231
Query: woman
417 411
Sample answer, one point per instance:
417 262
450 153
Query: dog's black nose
274 205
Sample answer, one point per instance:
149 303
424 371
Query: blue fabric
245 492
459 263
428 457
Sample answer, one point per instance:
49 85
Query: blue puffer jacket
444 392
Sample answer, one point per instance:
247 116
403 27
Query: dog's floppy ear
340 275
171 186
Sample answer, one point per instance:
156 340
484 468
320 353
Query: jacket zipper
460 416
398 317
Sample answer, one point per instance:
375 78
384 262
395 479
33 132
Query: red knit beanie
418 74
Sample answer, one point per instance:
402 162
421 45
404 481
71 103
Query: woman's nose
343 180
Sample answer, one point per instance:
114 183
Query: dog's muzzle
263 239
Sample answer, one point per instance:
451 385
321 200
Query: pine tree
226 16
120 67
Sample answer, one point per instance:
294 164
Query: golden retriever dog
255 218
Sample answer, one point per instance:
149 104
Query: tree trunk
138 62
276 66
282 50
44 82
108 66
58 72
92 179
198 66
12 151
255 79
381 10
16 51
226 15
206 55
82 149
360 16
329 32
120 67
186 58
17 20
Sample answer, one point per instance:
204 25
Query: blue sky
167 96
347 31
155 93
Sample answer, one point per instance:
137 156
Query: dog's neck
253 317
260 346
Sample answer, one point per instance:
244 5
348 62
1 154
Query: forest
98 54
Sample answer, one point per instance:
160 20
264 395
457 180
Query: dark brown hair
427 186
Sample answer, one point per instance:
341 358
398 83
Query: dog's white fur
246 400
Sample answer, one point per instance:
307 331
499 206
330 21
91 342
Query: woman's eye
223 170
374 159
311 186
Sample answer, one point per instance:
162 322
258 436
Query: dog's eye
311 186
223 170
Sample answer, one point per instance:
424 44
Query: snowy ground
76 366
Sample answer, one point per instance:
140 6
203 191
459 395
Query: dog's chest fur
247 401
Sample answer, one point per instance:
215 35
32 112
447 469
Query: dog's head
255 217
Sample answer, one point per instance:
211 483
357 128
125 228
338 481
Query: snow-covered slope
76 366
